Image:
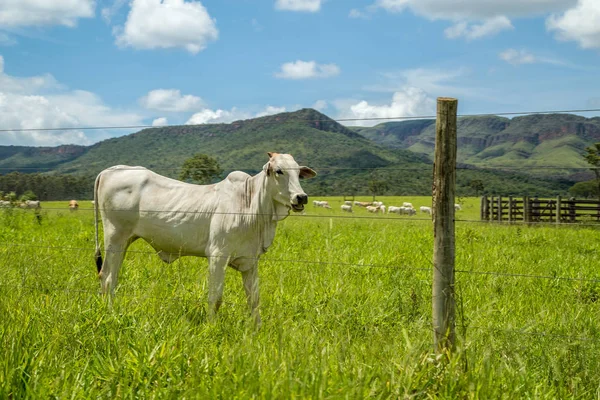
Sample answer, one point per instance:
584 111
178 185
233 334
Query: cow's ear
306 173
270 154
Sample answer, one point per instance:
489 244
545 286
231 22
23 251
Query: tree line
48 187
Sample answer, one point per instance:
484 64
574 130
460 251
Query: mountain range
391 158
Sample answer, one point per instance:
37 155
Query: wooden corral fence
533 209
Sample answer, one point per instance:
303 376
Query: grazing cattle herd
378 207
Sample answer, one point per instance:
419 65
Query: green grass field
346 307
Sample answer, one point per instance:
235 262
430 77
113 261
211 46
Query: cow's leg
115 246
216 280
250 280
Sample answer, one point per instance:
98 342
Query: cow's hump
237 176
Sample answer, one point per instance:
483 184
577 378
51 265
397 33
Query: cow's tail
98 252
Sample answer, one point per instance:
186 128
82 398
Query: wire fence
273 119
392 266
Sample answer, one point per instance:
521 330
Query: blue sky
81 63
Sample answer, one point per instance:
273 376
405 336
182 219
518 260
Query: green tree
592 156
378 185
28 195
584 189
200 169
477 185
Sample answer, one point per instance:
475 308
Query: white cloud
160 122
207 116
15 13
6 40
270 110
516 57
437 82
40 102
408 102
170 100
393 5
488 27
475 19
109 12
320 105
298 5
257 26
306 70
165 24
356 13
580 23
475 10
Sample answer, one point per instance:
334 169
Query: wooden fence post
558 209
510 209
444 187
526 216
484 214
499 208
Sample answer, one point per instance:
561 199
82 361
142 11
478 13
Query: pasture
346 307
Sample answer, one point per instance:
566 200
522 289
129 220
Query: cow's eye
278 171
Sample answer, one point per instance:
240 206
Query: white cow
347 208
348 203
405 210
324 203
407 204
425 209
374 209
5 204
457 207
393 209
377 203
231 222
34 204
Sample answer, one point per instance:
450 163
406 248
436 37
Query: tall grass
346 306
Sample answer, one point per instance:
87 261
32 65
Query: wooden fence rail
533 209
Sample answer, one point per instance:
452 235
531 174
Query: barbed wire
257 169
274 119
174 296
368 215
396 267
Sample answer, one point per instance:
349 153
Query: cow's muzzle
301 200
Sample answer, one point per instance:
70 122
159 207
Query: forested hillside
542 145
346 161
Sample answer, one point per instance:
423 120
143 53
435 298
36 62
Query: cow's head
285 173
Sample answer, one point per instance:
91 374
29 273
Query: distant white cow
374 209
406 210
33 204
393 209
231 222
347 208
362 203
348 203
324 204
457 207
377 204
5 204
425 209
407 204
